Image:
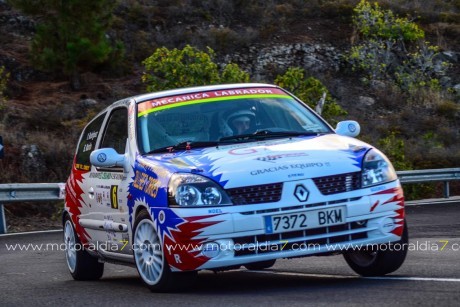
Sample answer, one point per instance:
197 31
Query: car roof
188 90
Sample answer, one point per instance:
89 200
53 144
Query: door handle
91 192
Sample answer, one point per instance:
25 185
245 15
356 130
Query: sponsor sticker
114 197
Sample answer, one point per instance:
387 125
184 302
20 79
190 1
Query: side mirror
107 157
348 128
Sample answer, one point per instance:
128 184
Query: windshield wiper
266 134
186 145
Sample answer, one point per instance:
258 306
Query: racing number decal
114 196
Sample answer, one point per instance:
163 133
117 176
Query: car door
109 188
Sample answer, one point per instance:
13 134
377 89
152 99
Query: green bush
418 69
384 51
232 73
373 22
169 69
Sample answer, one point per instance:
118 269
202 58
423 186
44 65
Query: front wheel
82 266
381 260
151 261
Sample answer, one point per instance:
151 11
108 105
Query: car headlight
377 169
189 190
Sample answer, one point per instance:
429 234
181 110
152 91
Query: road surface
430 276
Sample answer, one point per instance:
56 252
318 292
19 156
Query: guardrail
431 175
35 192
28 192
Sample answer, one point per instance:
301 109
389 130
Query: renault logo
301 193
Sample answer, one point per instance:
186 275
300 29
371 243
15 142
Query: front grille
338 183
313 239
256 194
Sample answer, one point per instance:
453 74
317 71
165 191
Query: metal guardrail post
446 189
2 220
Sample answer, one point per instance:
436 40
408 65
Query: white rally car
225 176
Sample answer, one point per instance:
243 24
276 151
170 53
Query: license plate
304 220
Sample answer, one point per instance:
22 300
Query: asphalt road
430 276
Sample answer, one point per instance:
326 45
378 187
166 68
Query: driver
241 121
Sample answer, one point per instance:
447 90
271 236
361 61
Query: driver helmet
241 120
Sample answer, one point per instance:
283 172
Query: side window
116 132
88 143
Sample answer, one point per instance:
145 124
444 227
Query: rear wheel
261 265
380 260
82 266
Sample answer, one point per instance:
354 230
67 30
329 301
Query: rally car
219 177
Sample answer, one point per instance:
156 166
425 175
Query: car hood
268 161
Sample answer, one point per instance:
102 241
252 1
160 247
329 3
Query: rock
449 56
316 58
456 89
378 85
368 101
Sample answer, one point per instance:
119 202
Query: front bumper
237 235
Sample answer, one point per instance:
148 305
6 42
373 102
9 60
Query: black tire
82 266
261 265
379 261
161 279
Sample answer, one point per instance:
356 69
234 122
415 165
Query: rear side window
88 143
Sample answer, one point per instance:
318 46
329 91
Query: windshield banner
210 96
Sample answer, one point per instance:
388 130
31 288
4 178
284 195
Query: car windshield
222 116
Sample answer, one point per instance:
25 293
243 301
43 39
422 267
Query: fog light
210 249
